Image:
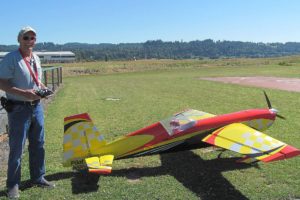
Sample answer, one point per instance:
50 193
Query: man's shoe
45 184
13 193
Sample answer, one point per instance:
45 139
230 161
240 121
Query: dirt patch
3 158
289 84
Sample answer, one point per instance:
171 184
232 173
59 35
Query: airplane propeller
272 109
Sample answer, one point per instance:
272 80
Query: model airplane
85 148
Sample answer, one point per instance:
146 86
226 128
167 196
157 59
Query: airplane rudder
81 137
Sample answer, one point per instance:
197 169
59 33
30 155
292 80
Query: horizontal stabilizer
100 165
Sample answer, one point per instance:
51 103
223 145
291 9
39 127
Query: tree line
159 49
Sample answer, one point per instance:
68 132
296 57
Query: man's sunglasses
29 38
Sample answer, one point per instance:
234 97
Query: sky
135 21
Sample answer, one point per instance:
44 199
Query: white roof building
51 56
2 54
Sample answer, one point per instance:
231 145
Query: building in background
2 54
56 56
51 56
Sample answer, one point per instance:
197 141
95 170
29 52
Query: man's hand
31 95
44 92
42 86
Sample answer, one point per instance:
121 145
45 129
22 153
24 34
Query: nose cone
273 110
275 113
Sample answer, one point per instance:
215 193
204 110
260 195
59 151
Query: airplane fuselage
156 138
84 147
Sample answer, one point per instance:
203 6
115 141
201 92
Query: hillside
169 50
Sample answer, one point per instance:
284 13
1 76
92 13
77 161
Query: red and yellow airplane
85 148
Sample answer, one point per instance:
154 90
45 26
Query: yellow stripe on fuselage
123 145
163 143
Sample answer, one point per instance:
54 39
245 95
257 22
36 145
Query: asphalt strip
288 84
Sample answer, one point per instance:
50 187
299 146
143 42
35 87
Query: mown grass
148 96
88 68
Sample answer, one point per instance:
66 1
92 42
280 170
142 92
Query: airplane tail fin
81 140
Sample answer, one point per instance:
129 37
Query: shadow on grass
84 182
202 177
81 182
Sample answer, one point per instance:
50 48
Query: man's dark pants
26 121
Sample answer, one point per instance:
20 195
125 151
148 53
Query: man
20 77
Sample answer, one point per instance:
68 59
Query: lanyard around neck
34 75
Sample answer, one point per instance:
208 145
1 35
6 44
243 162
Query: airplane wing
100 165
256 146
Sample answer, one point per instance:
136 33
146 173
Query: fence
52 78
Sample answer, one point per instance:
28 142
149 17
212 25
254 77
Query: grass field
149 93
